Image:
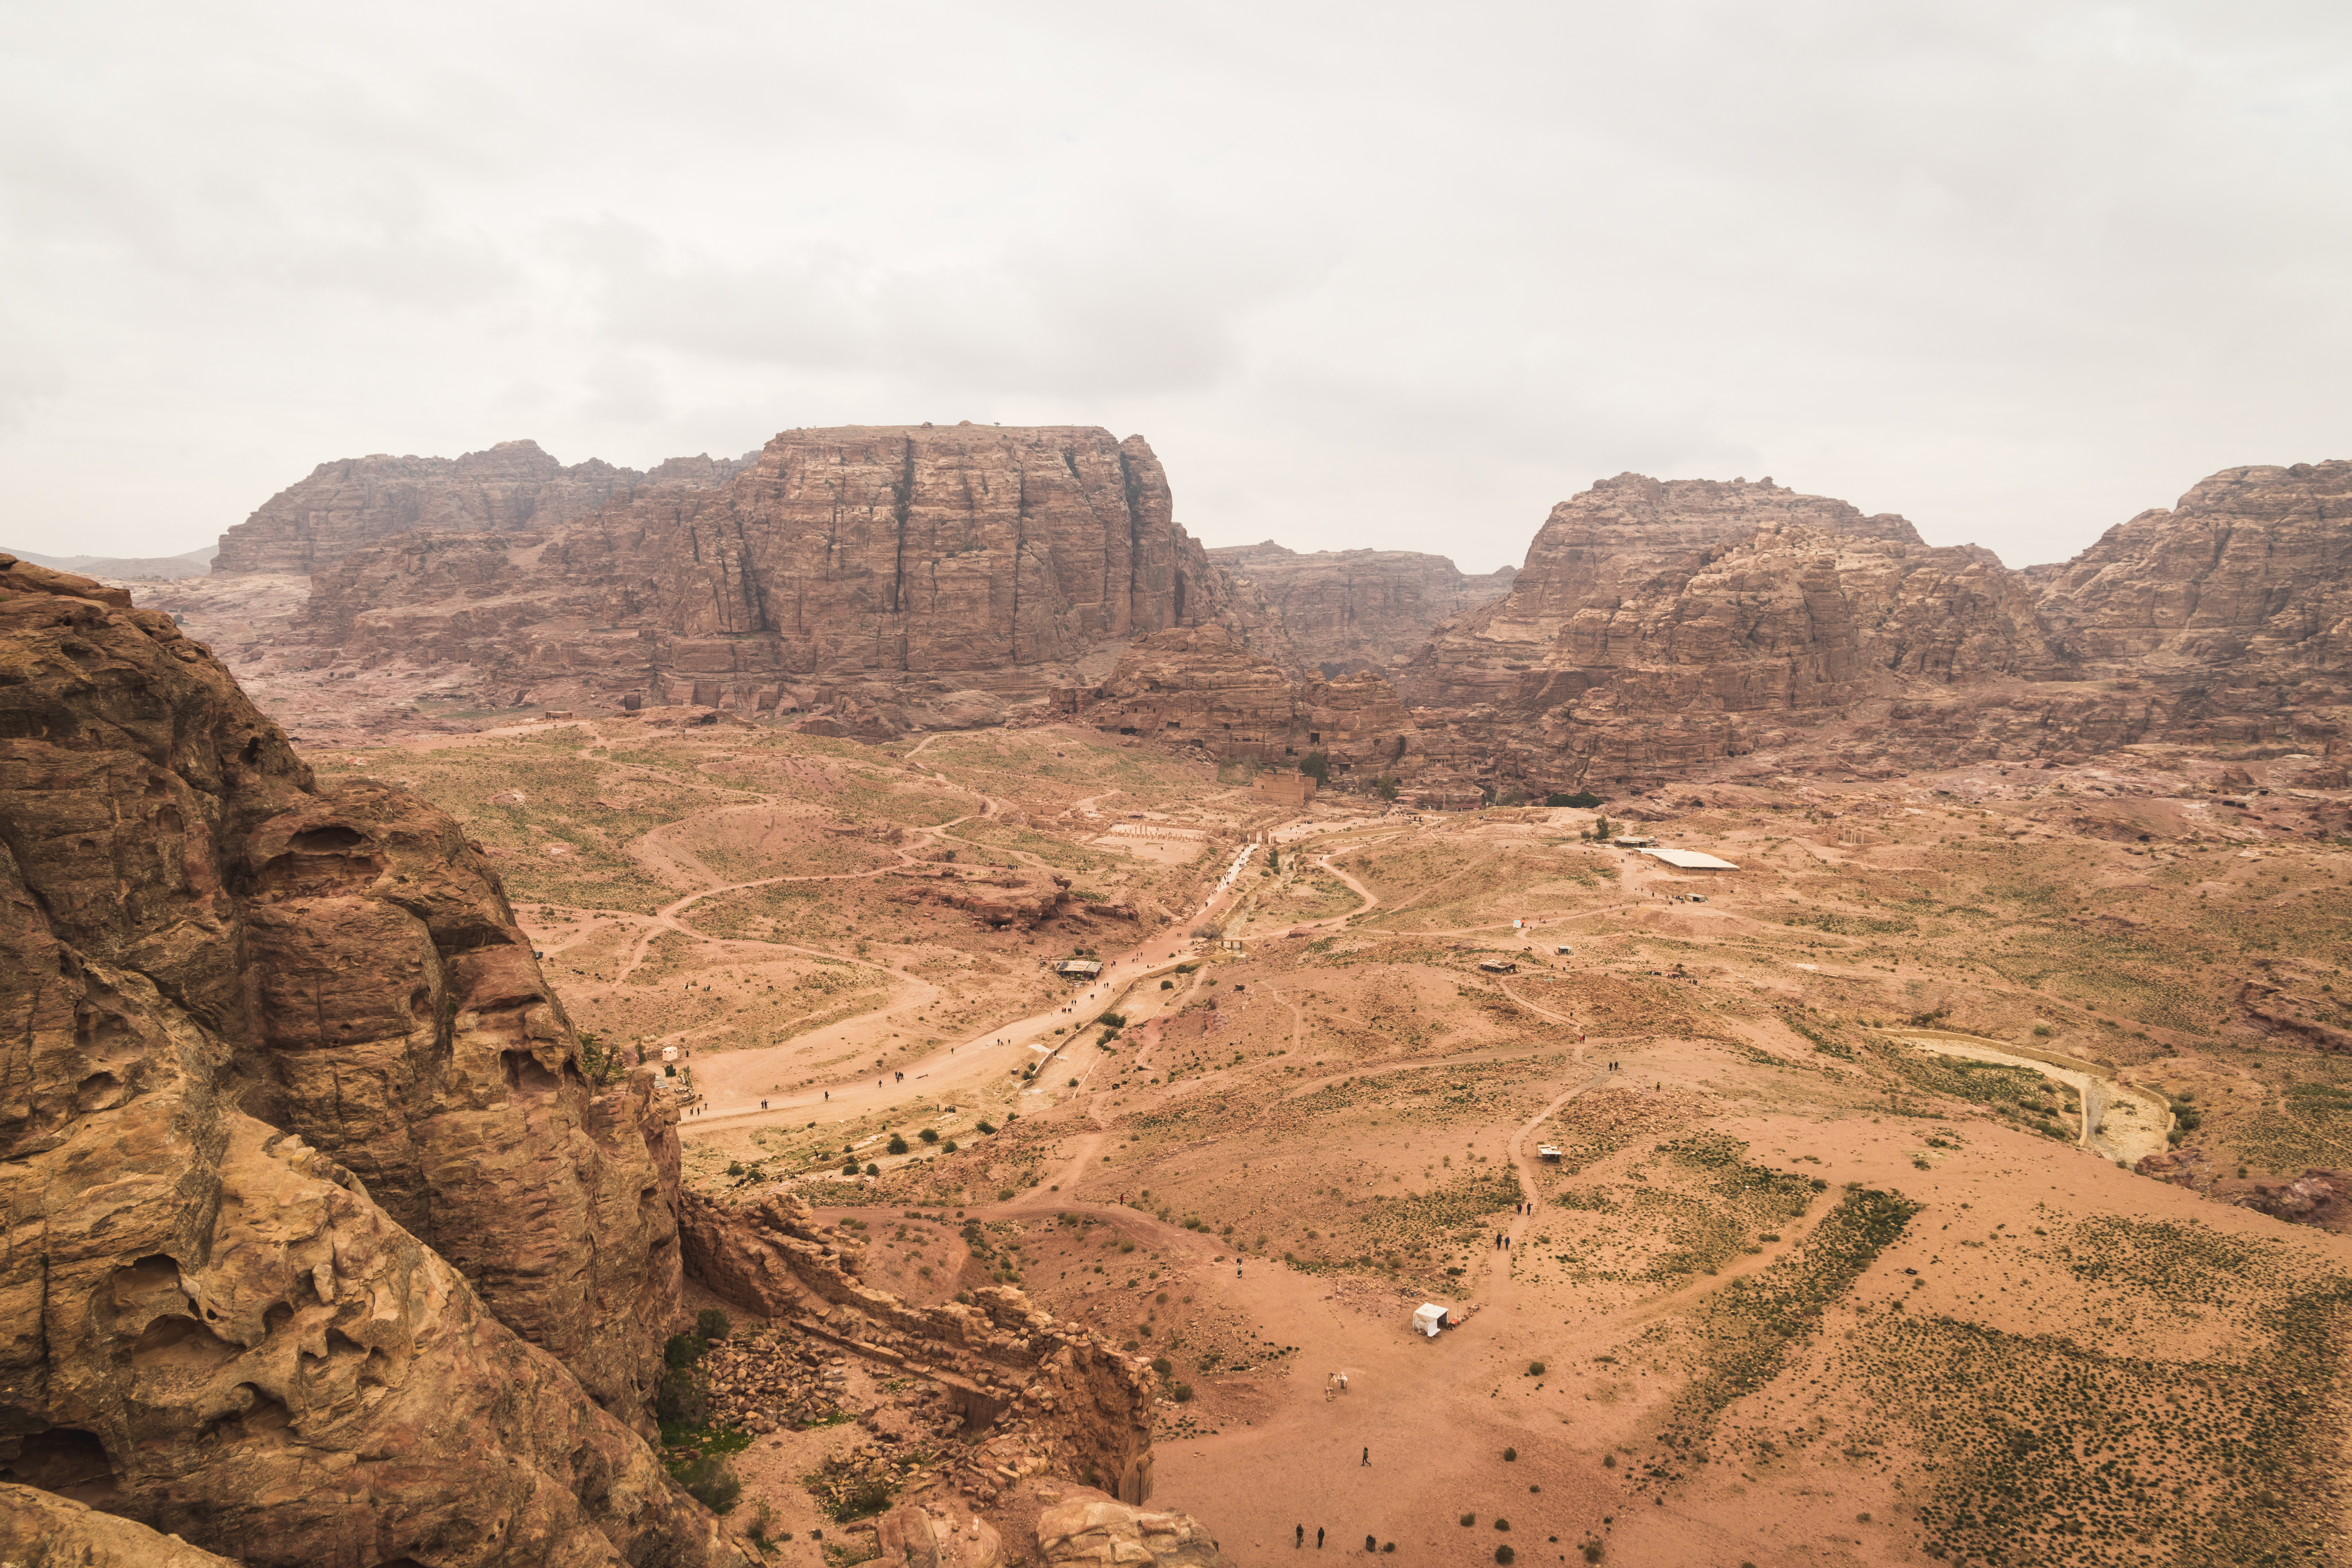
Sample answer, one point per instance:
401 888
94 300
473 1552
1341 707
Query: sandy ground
1801 1288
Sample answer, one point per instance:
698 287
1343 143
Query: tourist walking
1368 1458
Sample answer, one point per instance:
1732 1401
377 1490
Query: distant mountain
194 563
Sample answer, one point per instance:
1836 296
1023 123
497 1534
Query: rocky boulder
42 1530
911 1536
1090 1527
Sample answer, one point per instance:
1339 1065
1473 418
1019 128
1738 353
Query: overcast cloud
1362 274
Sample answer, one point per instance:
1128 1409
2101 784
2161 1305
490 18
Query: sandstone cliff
253 1026
1663 627
914 564
1203 686
1005 1367
340 506
2252 571
1350 609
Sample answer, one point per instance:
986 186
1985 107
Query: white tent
1429 1317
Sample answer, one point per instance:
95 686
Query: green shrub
1584 800
986 1127
1182 1393
897 1144
873 1169
948 1147
710 1323
1510 1456
1504 1555
1168 985
681 1400
1502 1523
929 1135
682 1350
1468 1520
1535 1369
1162 1365
849 1167
708 1481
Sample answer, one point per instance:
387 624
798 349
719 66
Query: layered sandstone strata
930 561
1204 685
1643 639
341 506
2251 571
1087 1407
1346 609
270 1045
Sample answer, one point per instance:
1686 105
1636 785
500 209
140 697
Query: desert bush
682 1350
873 1169
1504 1555
1468 1520
1535 1369
897 1144
1182 1393
681 1400
1510 1456
710 1323
929 1135
708 1481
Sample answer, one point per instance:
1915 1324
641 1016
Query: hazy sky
1363 274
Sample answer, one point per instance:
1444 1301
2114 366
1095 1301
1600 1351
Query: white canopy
1690 860
1429 1317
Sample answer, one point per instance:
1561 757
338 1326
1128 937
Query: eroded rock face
1356 609
939 564
1085 1407
226 992
911 1536
1205 685
42 1530
2251 569
1088 1528
341 506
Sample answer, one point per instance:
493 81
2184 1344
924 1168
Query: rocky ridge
342 505
1662 627
1357 609
238 1006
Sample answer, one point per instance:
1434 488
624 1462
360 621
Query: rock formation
918 567
2250 572
1203 686
1088 1528
1661 626
1084 1406
1356 609
911 1536
252 1025
42 1530
341 506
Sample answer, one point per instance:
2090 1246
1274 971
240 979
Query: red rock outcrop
234 1001
42 1530
1087 1528
1205 685
1644 640
1353 609
935 564
1003 1363
340 506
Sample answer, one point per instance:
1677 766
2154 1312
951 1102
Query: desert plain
1932 1186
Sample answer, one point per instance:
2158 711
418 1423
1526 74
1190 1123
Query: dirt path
2106 1129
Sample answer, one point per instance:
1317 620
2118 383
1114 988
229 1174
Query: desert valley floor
1921 1190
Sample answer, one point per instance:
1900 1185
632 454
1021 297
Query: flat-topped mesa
2252 568
342 505
918 559
1355 609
